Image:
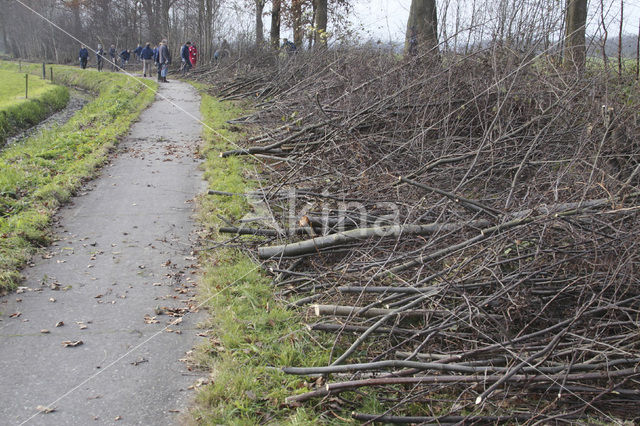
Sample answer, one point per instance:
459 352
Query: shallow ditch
77 99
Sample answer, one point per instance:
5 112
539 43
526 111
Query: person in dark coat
164 59
156 58
185 65
83 56
99 57
125 55
147 56
112 55
289 46
137 52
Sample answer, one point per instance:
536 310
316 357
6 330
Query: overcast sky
384 19
387 19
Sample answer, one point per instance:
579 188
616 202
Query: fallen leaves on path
72 343
59 323
45 410
15 315
148 319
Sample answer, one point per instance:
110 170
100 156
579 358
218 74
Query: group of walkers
160 55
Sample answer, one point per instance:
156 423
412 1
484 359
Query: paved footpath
121 271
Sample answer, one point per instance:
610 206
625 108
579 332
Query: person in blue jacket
137 52
185 65
124 56
289 46
83 56
146 54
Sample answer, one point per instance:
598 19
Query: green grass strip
43 171
253 333
17 112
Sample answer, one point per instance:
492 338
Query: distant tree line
52 30
458 26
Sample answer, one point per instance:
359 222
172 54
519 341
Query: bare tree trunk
275 24
422 26
296 11
575 49
605 59
259 24
152 20
320 23
638 53
620 39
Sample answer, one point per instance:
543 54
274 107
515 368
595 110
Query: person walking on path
99 57
112 54
137 52
164 59
124 56
147 56
184 58
156 59
83 56
193 55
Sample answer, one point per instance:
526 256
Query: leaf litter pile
465 230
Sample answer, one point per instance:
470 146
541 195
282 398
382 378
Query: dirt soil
121 277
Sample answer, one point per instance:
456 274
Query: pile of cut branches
465 228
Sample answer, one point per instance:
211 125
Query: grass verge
252 333
40 173
18 113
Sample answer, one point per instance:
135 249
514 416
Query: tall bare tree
320 23
275 24
259 25
574 43
422 26
296 14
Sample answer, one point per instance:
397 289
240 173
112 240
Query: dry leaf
15 315
44 331
150 320
51 299
72 344
45 410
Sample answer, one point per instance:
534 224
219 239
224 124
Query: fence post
26 86
20 65
51 69
44 72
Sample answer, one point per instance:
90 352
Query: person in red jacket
193 55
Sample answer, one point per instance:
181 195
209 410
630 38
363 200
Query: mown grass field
18 112
12 90
42 172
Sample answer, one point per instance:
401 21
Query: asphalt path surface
121 278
